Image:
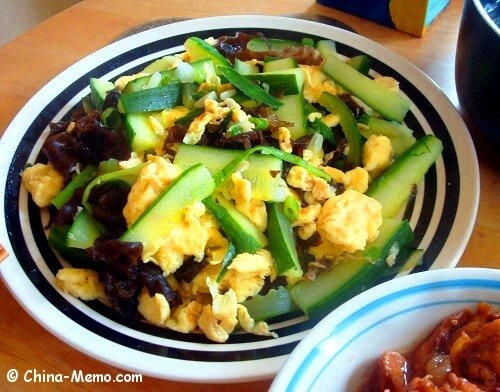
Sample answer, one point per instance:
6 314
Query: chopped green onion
260 123
228 258
82 179
291 207
235 129
248 87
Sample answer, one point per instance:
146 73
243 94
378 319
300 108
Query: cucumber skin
389 104
280 64
198 49
195 184
140 135
394 186
152 99
83 232
400 136
266 44
285 82
275 303
57 241
361 273
293 110
242 233
98 91
264 185
282 242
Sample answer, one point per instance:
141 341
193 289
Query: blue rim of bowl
370 306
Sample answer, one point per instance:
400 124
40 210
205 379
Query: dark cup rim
484 15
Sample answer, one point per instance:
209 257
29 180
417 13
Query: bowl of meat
431 331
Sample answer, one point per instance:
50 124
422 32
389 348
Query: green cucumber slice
263 170
152 99
394 186
326 48
361 63
141 83
386 102
401 137
195 184
244 68
98 90
283 82
198 49
280 64
140 135
293 111
348 278
282 242
275 303
242 233
267 44
84 231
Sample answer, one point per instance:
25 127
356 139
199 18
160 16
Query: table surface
37 56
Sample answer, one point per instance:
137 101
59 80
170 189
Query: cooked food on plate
243 179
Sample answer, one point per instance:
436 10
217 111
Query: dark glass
477 70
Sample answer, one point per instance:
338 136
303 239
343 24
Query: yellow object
409 16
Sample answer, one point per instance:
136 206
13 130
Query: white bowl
392 316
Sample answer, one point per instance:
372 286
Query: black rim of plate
233 350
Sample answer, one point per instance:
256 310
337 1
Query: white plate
450 186
395 315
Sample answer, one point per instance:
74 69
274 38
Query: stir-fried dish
461 354
242 180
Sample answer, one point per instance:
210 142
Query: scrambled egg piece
80 283
214 113
122 81
43 182
242 189
155 309
216 247
133 161
331 120
246 273
188 237
377 154
306 220
387 81
248 323
218 320
255 210
285 139
315 82
357 178
346 223
316 188
152 179
184 318
170 116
